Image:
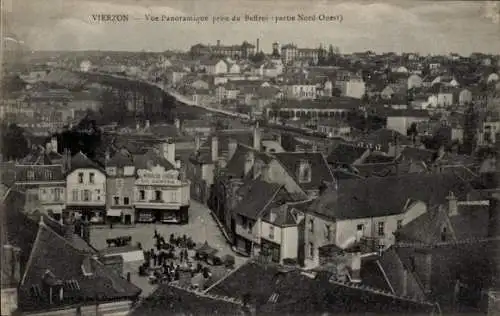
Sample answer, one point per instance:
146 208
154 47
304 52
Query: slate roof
120 160
150 159
277 291
472 221
54 256
257 195
236 166
80 160
170 300
345 153
475 263
360 198
385 136
39 173
418 154
320 171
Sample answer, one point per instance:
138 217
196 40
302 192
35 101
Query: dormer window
87 267
304 172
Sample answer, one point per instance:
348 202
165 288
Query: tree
259 57
14 143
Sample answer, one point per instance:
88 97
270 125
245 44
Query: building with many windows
45 188
120 181
86 189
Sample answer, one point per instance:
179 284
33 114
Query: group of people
162 258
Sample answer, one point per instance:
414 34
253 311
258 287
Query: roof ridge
204 294
32 253
225 277
374 290
445 243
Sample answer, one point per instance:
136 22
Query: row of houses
127 188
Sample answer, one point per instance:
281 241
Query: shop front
124 216
163 215
92 214
271 249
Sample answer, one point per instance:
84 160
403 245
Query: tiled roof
170 300
360 198
345 153
54 258
36 173
320 171
257 195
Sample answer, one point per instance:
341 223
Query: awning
114 212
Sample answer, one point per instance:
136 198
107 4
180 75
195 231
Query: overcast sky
399 26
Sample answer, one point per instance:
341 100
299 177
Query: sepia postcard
249 157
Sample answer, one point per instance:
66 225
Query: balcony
159 204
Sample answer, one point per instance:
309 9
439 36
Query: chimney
69 227
272 216
168 151
356 267
146 124
278 138
53 142
256 137
249 161
137 126
177 124
232 146
452 204
218 43
215 148
197 142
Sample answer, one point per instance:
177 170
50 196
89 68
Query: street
201 227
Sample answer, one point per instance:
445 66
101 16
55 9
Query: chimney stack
168 151
137 126
215 148
53 142
452 204
249 161
356 267
232 146
197 142
146 124
177 124
256 137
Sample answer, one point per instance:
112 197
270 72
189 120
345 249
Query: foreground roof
173 300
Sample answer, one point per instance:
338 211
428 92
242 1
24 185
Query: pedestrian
177 275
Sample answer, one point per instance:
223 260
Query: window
116 200
443 233
250 224
126 201
328 232
157 195
311 250
174 196
399 223
142 195
360 227
271 232
57 194
91 178
381 228
86 195
75 195
80 177
31 175
311 225
304 172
